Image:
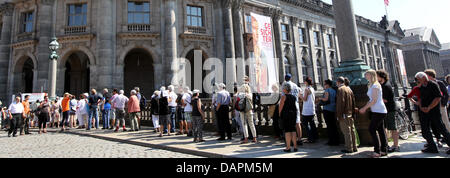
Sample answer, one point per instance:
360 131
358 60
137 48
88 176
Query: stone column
352 66
276 15
5 49
230 57
171 63
238 30
103 72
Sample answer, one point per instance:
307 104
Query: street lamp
53 46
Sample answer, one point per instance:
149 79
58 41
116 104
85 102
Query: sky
410 14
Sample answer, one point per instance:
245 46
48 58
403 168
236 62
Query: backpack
240 104
142 102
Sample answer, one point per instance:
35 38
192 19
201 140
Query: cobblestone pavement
59 145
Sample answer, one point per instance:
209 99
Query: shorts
391 121
72 113
164 119
188 116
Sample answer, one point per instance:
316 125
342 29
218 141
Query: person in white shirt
186 101
378 115
16 114
172 107
119 102
309 111
82 112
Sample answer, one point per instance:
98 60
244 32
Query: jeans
65 118
433 118
25 126
106 118
93 112
377 126
332 129
310 126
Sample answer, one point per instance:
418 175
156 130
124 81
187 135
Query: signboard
263 52
33 97
401 62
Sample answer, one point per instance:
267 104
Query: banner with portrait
263 54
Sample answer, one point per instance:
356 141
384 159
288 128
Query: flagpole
385 8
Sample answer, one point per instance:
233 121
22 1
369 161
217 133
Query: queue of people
293 115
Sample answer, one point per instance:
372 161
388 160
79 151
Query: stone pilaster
230 57
296 51
5 49
374 54
313 50
326 52
238 30
43 15
105 43
276 15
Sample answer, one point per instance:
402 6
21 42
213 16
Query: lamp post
53 46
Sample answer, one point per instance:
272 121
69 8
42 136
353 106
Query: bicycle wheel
404 128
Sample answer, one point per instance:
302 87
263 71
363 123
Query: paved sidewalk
267 148
60 145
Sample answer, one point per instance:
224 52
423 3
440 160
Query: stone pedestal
352 66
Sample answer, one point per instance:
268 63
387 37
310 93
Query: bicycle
405 123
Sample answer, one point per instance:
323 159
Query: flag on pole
386 2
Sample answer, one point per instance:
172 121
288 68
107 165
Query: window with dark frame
316 38
302 35
287 65
138 12
194 16
27 22
285 32
330 41
77 15
304 68
319 72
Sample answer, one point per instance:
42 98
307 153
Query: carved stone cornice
127 38
139 36
47 2
24 44
294 21
238 4
196 37
7 9
275 13
227 4
75 38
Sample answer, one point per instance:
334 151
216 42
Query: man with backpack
142 103
245 107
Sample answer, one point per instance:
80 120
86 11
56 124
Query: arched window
287 66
